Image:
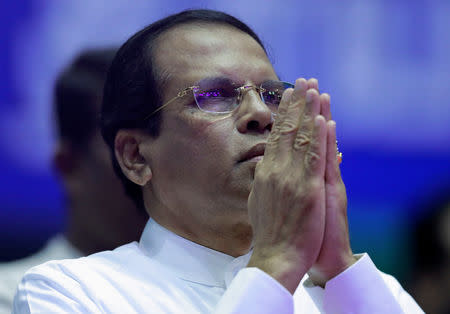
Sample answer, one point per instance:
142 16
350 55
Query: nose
253 115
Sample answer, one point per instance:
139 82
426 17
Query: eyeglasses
220 95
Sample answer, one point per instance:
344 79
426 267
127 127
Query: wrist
287 271
319 275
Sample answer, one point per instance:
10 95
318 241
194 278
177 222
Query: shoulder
12 272
83 268
71 284
56 248
105 280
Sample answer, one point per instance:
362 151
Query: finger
325 106
303 136
285 127
332 171
272 141
313 83
274 136
315 157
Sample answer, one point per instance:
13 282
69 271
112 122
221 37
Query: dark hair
77 96
132 87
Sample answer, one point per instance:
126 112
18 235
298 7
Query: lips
253 153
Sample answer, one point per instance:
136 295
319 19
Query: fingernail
318 119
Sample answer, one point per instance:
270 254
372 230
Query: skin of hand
335 254
297 205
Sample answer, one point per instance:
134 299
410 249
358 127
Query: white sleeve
254 291
38 294
361 288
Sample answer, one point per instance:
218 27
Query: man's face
200 162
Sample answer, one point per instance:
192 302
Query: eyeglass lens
220 95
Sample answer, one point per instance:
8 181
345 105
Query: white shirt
11 272
165 273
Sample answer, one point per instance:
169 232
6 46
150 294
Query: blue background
386 65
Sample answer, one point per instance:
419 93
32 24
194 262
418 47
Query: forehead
189 53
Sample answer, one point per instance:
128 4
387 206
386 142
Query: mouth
254 154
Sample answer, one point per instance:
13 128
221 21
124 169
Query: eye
274 91
220 92
216 100
273 97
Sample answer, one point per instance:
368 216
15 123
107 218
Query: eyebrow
226 80
218 80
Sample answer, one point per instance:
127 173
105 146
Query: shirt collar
188 260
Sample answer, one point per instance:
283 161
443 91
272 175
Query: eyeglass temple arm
180 94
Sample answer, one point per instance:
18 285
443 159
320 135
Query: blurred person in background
99 214
429 280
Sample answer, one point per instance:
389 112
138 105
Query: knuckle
312 159
315 185
273 139
306 118
276 127
264 174
301 140
310 191
305 195
273 177
275 130
289 187
288 127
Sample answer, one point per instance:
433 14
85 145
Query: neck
233 238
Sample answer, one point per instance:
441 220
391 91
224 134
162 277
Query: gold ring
338 153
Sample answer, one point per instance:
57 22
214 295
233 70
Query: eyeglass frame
240 89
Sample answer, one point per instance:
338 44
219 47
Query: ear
128 148
65 159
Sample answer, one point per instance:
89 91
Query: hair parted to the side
132 87
77 96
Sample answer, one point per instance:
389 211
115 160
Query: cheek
202 125
211 139
199 147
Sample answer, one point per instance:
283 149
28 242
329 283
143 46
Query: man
100 215
248 214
